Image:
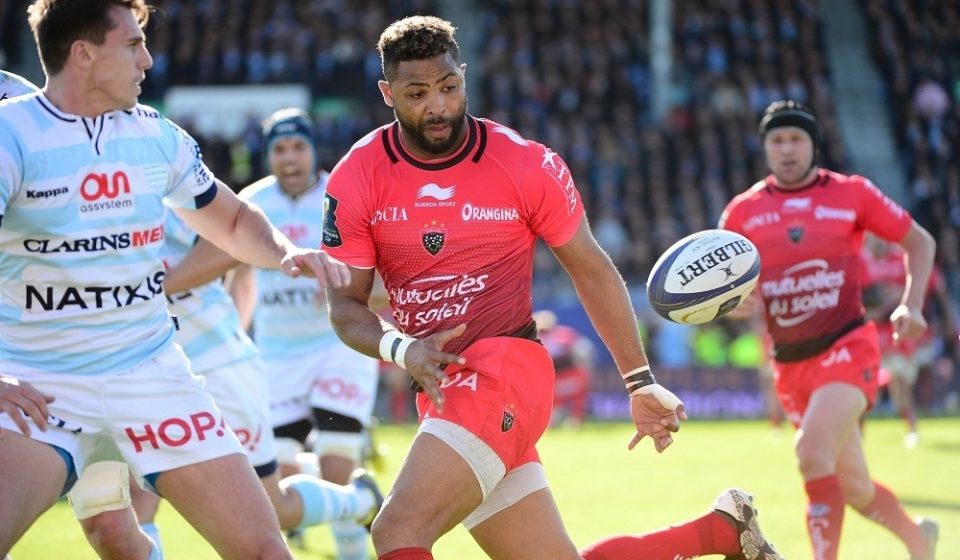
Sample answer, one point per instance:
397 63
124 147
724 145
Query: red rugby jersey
809 242
889 272
453 239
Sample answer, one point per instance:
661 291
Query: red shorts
504 395
854 358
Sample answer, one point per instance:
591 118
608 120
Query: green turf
603 489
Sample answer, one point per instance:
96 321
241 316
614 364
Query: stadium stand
915 43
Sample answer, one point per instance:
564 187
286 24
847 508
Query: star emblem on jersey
433 235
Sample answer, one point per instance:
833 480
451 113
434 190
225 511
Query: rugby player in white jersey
319 387
86 344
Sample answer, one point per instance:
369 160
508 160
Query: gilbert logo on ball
703 276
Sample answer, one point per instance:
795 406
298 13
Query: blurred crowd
577 76
328 45
916 44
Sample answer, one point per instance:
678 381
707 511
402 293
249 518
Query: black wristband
638 381
393 349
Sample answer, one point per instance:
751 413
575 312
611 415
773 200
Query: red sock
407 554
710 534
825 516
886 510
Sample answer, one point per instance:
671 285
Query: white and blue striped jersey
12 85
291 314
208 323
81 228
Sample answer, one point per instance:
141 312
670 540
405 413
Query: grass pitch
603 489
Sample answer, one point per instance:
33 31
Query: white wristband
393 347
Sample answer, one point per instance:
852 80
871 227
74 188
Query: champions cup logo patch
331 233
433 236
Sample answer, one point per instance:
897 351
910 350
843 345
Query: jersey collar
473 147
818 181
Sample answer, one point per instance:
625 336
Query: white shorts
157 414
240 390
345 382
288 382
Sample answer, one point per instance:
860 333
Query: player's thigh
830 419
531 529
223 499
434 491
32 476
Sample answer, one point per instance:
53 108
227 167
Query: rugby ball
703 276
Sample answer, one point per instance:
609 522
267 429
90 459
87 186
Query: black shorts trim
298 430
330 421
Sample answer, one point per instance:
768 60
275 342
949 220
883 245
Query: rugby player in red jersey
884 276
808 224
447 208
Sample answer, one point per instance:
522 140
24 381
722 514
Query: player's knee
402 526
274 548
813 457
858 491
115 535
102 487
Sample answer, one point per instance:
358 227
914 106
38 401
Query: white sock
156 553
324 502
351 540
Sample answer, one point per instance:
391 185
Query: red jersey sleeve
880 214
556 207
730 218
346 218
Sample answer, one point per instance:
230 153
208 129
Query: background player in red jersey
572 355
447 207
808 224
884 277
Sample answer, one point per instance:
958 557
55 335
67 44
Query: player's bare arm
243 231
656 411
203 264
241 284
19 397
919 248
364 331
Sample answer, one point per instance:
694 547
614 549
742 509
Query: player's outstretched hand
908 322
17 397
656 413
425 360
318 264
